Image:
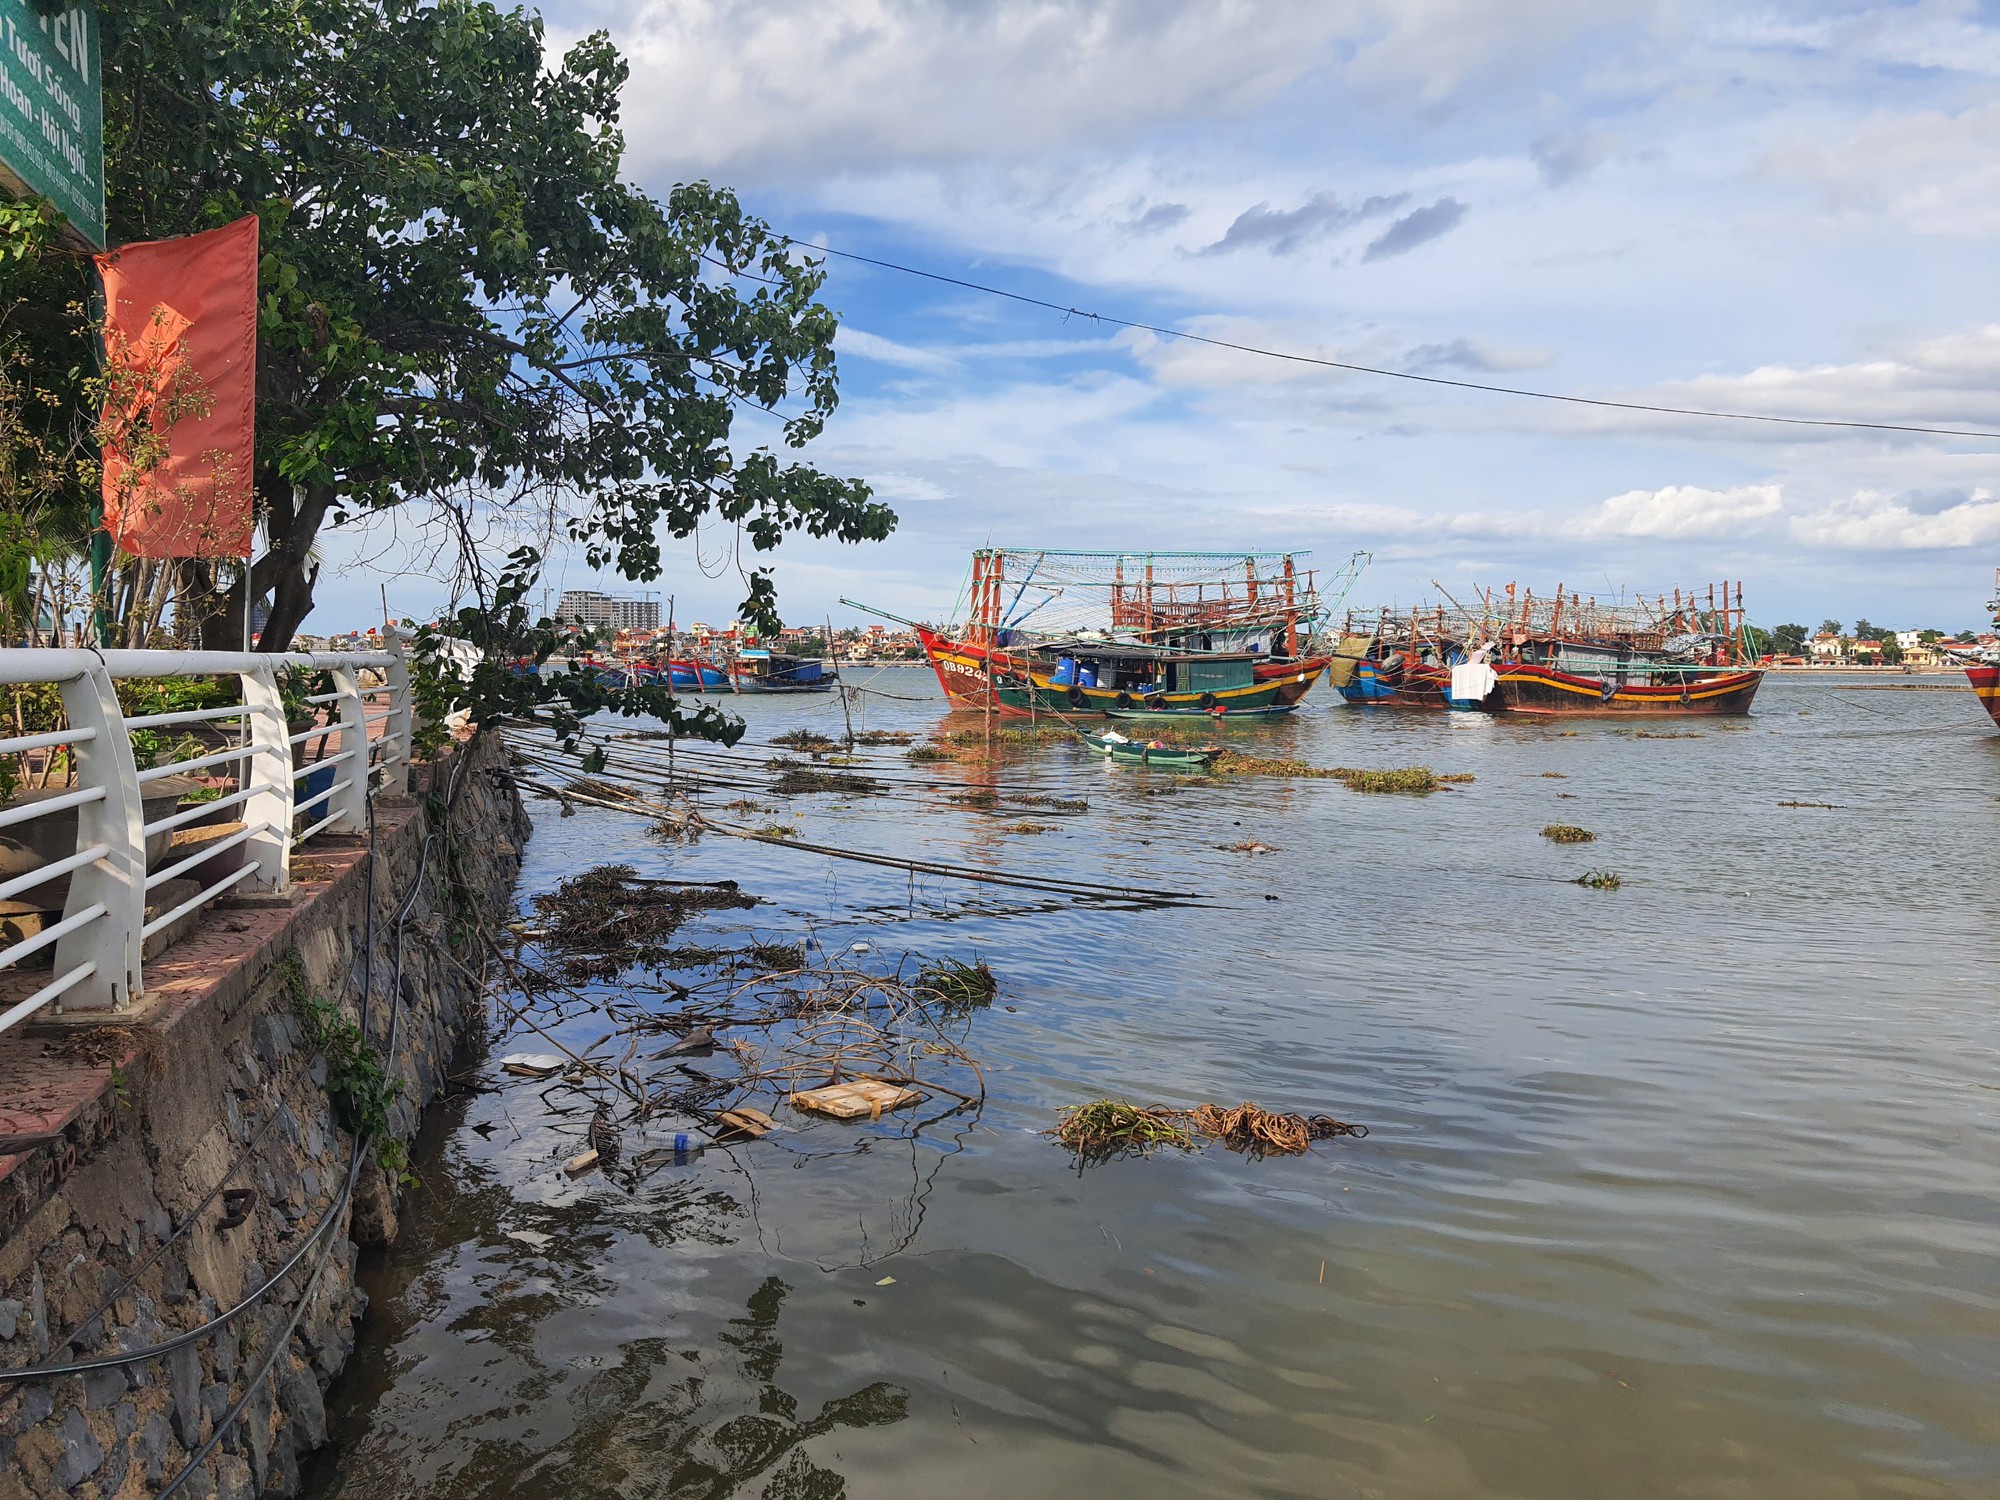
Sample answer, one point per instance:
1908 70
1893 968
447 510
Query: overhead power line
1336 364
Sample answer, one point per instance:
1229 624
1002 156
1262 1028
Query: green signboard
52 109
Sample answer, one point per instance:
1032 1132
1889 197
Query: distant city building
620 612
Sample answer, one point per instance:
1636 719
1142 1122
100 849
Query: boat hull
1985 682
1525 688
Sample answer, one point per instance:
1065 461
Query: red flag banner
180 345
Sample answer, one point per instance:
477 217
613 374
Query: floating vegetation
607 919
1555 776
1029 827
1248 846
1568 833
1418 781
777 831
926 755
774 956
1258 1131
745 805
954 985
1599 880
1828 805
1025 734
694 957
1667 734
798 780
884 737
810 740
1055 804
1107 1129
975 799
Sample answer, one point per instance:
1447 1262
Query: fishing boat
759 671
1186 634
1573 656
694 676
1413 661
1152 753
1985 675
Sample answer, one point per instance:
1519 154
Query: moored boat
760 671
1152 752
1134 634
1572 656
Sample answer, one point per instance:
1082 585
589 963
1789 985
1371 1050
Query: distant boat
758 671
696 676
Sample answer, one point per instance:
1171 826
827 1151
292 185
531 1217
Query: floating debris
1555 776
777 955
582 1162
954 985
746 805
1053 804
1828 805
884 737
1599 880
1107 1129
809 740
1029 827
533 1064
743 1123
1248 846
1260 1131
1568 833
777 831
1666 734
925 755
798 780
1418 781
853 1098
609 918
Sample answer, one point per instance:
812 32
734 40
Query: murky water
1690 1188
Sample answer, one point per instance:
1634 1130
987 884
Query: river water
1688 1188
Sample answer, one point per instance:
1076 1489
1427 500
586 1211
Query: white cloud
1681 511
718 85
852 340
1935 171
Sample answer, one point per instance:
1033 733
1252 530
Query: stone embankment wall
215 1082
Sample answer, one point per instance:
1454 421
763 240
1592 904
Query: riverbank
166 1163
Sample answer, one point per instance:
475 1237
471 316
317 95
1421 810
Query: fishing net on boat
1201 600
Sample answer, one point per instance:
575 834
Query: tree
1829 627
1892 651
1863 631
460 301
1789 640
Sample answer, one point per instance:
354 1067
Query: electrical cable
355 1167
1336 364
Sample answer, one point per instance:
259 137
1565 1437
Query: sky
1787 208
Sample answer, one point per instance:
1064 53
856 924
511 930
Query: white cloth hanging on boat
1472 681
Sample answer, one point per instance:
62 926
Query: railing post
400 728
267 773
348 807
118 880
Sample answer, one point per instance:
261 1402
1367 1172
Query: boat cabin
1144 670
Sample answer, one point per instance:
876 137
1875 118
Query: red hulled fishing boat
1132 634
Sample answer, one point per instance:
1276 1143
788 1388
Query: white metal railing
99 938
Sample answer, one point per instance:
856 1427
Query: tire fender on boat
1123 700
1207 700
1074 696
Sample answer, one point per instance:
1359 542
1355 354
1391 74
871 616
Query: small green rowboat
1153 753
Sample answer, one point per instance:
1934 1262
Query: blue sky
1789 208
